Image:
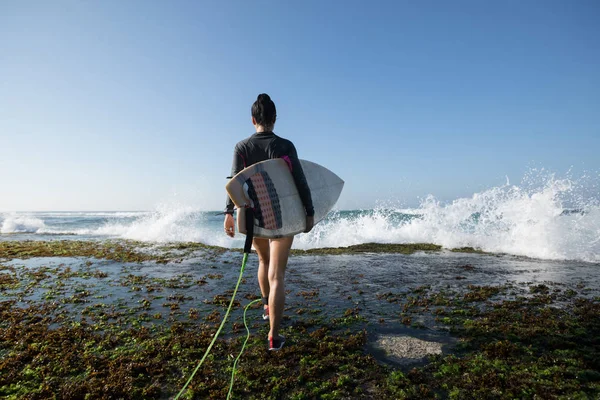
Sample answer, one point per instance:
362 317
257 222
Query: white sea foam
165 224
169 222
507 219
16 223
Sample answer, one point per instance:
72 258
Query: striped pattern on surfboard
263 195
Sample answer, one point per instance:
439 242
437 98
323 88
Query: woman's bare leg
280 251
262 249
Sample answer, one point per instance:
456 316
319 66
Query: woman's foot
276 344
266 313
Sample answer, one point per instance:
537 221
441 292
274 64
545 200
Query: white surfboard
268 187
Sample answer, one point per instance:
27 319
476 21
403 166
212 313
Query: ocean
556 220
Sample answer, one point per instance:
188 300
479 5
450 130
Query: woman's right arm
237 166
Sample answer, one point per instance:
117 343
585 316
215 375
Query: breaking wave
555 221
15 223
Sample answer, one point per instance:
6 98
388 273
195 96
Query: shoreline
129 249
138 318
103 248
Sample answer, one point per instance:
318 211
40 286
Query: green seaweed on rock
514 341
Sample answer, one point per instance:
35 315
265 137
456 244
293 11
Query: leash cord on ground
218 330
243 347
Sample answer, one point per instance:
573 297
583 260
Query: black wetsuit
265 146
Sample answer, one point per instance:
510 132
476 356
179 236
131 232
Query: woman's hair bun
264 111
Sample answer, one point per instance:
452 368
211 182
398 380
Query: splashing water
15 223
507 219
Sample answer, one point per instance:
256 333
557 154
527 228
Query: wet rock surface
117 320
406 350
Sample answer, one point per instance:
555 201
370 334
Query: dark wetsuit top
265 146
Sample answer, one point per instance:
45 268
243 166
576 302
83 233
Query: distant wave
166 224
14 223
107 214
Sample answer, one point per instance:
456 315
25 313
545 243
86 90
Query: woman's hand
310 222
229 224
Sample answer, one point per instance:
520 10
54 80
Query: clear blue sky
117 105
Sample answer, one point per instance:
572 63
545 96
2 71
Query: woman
272 254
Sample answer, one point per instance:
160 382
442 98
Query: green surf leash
247 250
243 347
218 330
